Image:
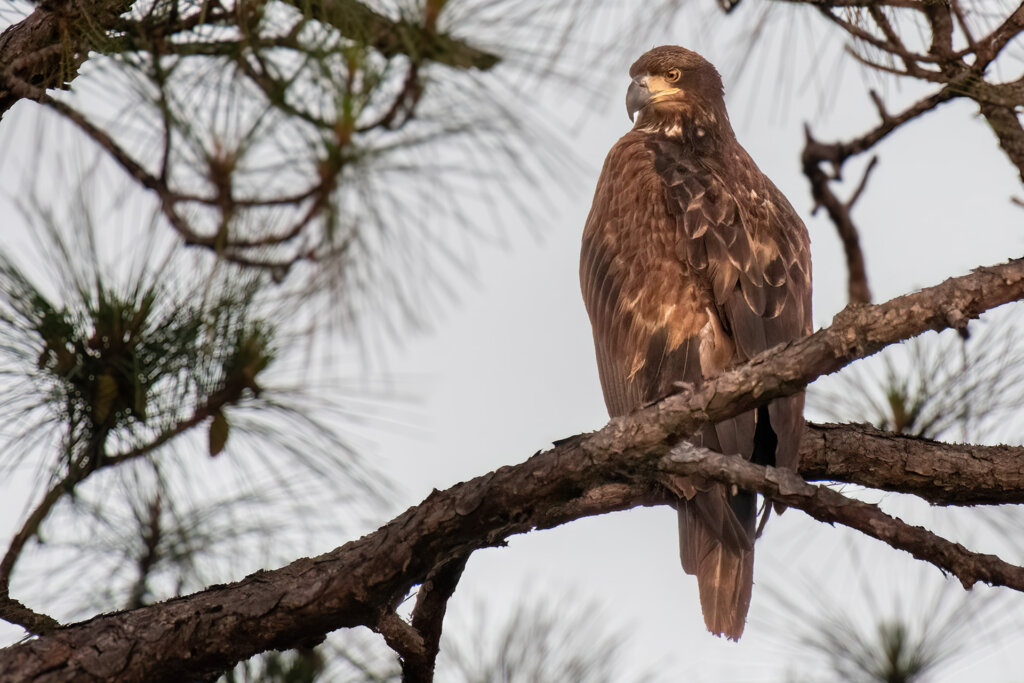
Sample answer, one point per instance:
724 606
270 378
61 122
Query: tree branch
826 505
940 473
611 469
836 154
46 48
15 612
418 40
1005 123
955 71
428 618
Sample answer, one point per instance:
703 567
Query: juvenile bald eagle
693 262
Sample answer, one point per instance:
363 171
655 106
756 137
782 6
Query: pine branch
46 49
940 473
829 506
614 468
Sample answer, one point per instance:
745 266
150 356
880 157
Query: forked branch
614 468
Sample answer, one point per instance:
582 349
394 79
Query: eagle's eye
673 75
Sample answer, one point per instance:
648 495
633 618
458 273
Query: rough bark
362 582
829 506
941 473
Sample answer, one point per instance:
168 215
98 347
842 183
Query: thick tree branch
941 473
361 582
826 505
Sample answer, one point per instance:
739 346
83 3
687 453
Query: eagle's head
675 88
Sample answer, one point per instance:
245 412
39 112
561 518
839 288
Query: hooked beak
637 96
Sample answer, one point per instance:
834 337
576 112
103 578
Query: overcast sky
510 366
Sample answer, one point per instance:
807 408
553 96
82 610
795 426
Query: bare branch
989 47
611 469
428 618
17 613
837 153
1005 123
826 505
940 473
839 211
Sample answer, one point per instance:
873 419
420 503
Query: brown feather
725 576
692 262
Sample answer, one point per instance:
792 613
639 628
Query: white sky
511 367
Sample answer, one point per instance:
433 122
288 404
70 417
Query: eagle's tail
719 551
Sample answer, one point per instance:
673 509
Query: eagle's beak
637 96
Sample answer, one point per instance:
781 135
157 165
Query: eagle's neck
696 126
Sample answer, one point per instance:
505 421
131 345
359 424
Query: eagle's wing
687 270
736 227
645 312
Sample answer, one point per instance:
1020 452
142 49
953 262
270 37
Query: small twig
406 99
400 636
428 617
152 533
863 183
837 153
918 72
887 45
961 19
840 213
31 526
895 44
883 113
78 472
34 622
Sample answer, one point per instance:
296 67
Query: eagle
693 262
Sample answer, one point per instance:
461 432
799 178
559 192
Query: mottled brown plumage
693 262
